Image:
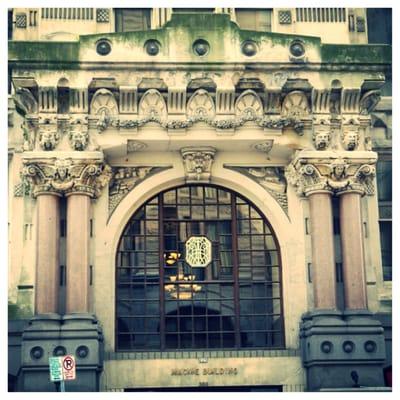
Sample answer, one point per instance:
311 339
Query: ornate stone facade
335 173
63 176
124 179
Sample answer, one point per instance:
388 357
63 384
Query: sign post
62 369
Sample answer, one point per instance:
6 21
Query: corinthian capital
63 176
336 173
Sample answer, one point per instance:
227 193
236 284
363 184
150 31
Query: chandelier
185 290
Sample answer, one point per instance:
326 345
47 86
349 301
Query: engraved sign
198 251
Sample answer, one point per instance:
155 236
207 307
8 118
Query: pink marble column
323 256
351 232
47 254
78 223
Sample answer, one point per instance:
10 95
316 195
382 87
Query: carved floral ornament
336 176
62 176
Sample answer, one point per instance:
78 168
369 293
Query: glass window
255 19
132 19
231 300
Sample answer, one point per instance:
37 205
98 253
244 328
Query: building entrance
198 267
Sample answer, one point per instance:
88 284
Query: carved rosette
64 176
197 162
124 179
336 175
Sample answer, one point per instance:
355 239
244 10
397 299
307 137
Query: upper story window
379 22
255 19
132 19
198 267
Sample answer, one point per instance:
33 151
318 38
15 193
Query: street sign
56 369
68 366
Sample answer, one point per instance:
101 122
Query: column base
52 335
342 349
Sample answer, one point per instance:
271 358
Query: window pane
386 248
199 302
132 19
384 180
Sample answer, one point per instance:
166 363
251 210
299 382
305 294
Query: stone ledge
154 355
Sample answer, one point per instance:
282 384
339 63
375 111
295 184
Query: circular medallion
201 47
152 47
103 47
297 49
249 48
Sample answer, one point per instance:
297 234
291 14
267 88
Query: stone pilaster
337 344
81 177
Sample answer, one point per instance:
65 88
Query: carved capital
197 162
336 174
64 176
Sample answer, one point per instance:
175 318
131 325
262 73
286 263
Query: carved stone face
79 140
322 139
48 139
350 140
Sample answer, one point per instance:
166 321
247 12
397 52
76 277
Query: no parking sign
68 364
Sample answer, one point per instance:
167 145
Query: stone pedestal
52 335
338 347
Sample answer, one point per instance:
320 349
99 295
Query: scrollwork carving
124 179
65 175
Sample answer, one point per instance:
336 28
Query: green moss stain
365 54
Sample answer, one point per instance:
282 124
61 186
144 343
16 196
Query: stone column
78 225
47 253
323 257
351 231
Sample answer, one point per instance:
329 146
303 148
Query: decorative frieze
272 179
197 162
201 105
66 175
336 173
124 179
152 105
249 105
103 105
295 105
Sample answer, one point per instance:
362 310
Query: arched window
198 267
63 96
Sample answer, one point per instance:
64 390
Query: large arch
173 177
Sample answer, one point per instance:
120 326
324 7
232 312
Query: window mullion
161 266
235 271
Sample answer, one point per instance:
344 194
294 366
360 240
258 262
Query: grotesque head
48 139
79 140
322 139
350 140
